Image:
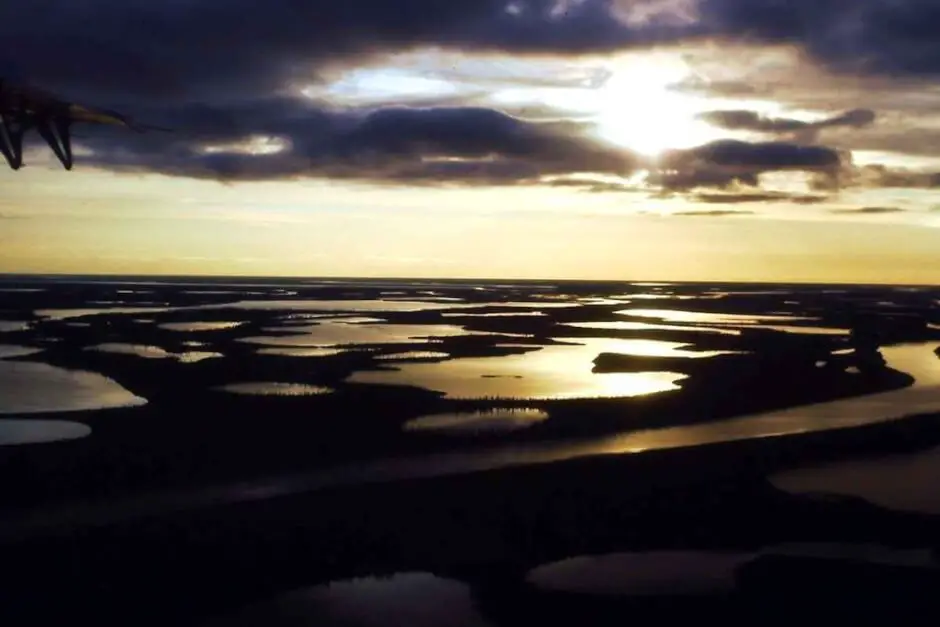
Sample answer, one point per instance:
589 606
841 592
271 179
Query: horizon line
154 276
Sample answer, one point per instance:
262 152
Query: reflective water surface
200 326
412 355
623 325
401 600
488 420
675 315
10 326
27 387
909 482
300 352
19 432
11 350
642 574
153 352
270 388
330 333
552 372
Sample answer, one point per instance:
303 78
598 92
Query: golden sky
796 224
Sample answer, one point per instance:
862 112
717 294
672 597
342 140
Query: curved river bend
918 360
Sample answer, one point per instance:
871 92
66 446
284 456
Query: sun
638 108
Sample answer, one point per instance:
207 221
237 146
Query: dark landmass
486 528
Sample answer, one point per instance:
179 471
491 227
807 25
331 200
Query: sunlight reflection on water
488 420
27 387
554 372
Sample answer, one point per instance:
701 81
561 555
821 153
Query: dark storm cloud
874 36
216 71
743 120
390 144
201 47
185 48
729 163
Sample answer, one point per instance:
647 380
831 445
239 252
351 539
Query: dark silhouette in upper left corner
24 107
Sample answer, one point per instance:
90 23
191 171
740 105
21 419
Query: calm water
642 574
11 350
300 352
489 420
200 326
674 315
154 352
901 482
623 325
401 600
412 355
917 360
331 333
27 387
10 326
265 388
553 372
18 432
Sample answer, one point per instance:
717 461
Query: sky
705 140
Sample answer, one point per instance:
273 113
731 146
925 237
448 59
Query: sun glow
638 108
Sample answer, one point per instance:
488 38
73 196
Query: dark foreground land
82 540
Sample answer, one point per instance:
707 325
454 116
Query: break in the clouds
227 77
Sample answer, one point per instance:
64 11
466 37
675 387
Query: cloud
743 120
884 176
714 213
225 72
868 210
198 47
727 163
754 197
282 138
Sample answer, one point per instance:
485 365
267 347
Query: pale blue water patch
482 421
10 350
19 432
553 372
27 387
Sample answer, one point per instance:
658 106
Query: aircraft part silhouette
26 108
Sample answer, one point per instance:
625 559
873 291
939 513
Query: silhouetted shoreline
485 527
